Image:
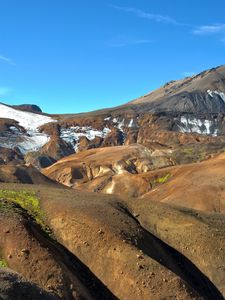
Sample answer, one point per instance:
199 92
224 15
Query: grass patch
3 263
6 207
163 179
160 180
28 201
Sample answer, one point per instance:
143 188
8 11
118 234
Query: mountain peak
28 107
212 80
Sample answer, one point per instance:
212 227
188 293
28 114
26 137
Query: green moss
163 179
3 263
28 201
5 207
160 180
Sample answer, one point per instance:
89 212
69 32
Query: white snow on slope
28 120
193 125
221 94
73 134
33 143
131 124
33 140
120 125
107 119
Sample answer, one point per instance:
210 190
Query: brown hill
27 247
120 243
134 171
200 186
23 174
97 169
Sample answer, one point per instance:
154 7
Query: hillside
129 241
121 203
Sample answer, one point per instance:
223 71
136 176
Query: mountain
179 113
119 203
200 94
195 105
28 107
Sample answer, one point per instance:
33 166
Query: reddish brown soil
139 249
199 186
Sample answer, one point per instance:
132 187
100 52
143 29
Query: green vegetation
163 179
28 201
160 180
5 207
3 263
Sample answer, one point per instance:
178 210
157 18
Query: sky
70 56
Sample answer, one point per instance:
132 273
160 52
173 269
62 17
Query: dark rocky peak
28 107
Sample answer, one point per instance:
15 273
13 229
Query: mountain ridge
177 113
122 203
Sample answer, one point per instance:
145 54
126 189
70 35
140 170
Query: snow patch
200 126
14 129
27 120
24 142
33 143
212 93
73 134
120 125
131 124
107 119
33 140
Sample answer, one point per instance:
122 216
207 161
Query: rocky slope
26 247
13 286
181 112
102 241
28 107
19 129
121 203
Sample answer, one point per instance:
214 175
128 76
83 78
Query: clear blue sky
80 55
